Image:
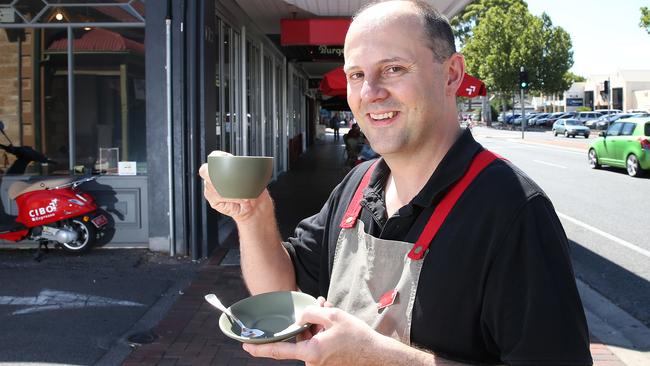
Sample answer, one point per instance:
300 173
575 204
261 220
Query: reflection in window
615 129
628 129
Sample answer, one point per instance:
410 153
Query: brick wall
9 87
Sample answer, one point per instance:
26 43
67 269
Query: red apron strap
481 160
354 208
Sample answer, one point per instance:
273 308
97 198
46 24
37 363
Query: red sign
304 32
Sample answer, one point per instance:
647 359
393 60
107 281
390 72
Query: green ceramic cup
239 177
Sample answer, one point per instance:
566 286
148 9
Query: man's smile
383 118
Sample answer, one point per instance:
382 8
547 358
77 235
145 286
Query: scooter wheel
86 236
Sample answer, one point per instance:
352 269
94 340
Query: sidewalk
189 333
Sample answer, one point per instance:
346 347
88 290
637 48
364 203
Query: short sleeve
532 310
305 248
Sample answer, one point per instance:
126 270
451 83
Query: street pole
170 151
609 95
523 110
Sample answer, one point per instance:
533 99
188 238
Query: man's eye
355 76
394 69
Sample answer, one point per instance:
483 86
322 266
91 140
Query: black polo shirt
497 284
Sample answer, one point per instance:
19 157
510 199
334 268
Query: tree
495 51
556 58
645 19
573 78
473 13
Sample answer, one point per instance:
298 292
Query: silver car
569 127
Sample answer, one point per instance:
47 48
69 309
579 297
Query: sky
605 34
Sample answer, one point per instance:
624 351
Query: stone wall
9 91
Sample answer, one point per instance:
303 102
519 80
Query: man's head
402 73
437 34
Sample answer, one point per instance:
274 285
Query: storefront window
253 123
227 92
218 117
108 78
268 106
109 97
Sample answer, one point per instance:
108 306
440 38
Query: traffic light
523 79
606 87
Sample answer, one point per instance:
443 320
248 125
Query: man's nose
372 91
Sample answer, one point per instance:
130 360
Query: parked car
533 120
603 122
527 117
625 144
550 120
608 111
570 127
586 116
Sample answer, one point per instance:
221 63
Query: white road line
550 164
611 237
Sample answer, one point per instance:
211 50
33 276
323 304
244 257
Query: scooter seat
20 187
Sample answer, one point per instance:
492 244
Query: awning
99 40
471 87
335 84
315 32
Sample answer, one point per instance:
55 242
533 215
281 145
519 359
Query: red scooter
52 210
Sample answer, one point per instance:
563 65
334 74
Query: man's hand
340 339
238 209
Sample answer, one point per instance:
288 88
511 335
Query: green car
625 144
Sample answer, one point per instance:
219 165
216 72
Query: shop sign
574 102
7 15
314 53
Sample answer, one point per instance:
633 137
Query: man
438 249
334 125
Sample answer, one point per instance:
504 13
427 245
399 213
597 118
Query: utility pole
523 84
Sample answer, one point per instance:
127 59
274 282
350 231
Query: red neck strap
480 161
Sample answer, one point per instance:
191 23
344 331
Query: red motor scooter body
44 207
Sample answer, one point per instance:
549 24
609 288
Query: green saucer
274 312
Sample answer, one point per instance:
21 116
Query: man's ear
455 66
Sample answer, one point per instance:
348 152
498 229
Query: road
605 213
80 310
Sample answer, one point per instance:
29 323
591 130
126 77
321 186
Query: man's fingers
322 302
277 350
318 316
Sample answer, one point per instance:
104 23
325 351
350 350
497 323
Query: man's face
395 87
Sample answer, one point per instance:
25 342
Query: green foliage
505 40
645 19
473 13
573 78
583 109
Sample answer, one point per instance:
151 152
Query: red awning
471 87
335 84
314 32
99 40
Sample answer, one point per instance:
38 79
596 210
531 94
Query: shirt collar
451 169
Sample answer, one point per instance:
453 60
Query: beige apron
376 279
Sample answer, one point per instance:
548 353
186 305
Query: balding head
436 31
